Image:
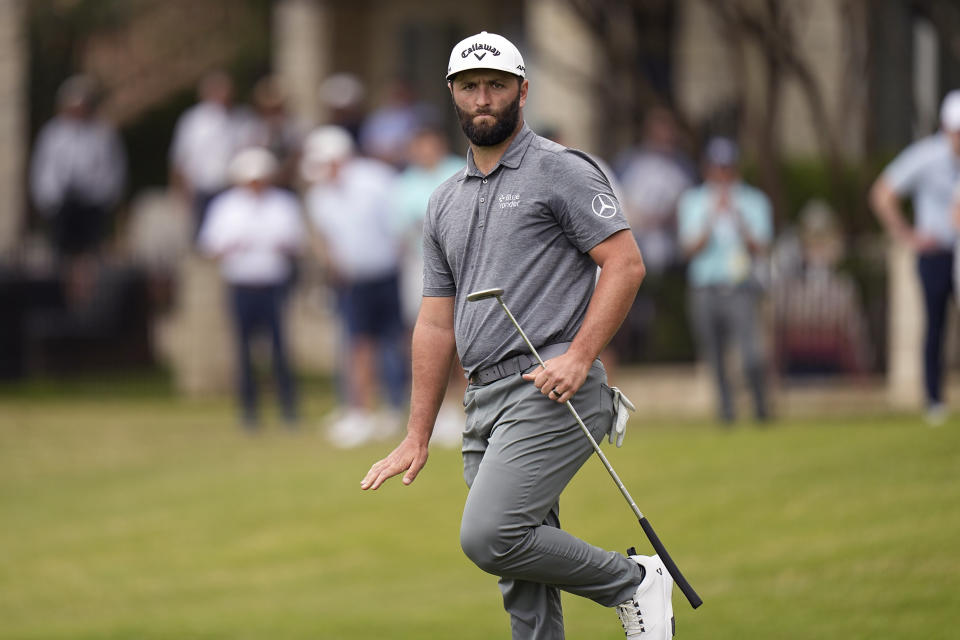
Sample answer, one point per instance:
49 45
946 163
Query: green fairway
145 516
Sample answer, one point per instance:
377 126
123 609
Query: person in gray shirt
537 219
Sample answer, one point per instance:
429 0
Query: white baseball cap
251 164
485 51
324 145
950 111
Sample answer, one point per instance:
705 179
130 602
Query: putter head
484 294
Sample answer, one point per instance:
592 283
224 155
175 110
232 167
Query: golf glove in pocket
622 408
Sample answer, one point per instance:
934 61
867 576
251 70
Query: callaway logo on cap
485 51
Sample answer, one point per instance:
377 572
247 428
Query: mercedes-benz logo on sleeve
604 205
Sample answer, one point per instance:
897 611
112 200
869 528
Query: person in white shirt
78 169
77 175
350 204
205 139
928 171
254 230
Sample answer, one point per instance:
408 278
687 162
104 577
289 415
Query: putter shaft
576 416
685 587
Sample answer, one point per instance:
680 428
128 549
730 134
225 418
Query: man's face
257 185
488 103
721 174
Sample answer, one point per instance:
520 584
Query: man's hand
723 200
409 456
922 243
562 378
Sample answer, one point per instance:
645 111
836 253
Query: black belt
516 364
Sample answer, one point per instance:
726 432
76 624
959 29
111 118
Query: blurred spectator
819 325
254 230
77 177
429 163
387 130
723 226
205 139
350 203
652 175
342 96
927 171
276 129
955 213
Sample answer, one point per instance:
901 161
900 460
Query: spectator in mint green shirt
724 226
429 164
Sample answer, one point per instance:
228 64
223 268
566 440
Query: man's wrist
418 433
904 234
581 353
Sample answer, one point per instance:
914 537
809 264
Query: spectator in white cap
724 225
927 171
349 203
255 231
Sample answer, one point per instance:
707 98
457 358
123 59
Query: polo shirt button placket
483 199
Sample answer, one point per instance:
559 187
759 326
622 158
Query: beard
488 136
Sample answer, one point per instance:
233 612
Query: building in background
839 84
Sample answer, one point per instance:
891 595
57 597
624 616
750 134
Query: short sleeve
759 215
438 280
906 169
583 201
689 217
213 235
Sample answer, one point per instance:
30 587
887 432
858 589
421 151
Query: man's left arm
621 272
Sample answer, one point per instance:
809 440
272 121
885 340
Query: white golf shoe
648 615
354 428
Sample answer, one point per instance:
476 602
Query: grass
139 515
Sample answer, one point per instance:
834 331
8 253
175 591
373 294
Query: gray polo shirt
525 227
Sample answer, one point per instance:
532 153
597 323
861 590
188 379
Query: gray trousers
721 315
520 450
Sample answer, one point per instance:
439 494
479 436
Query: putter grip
671 566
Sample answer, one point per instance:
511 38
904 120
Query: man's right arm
901 177
886 205
432 353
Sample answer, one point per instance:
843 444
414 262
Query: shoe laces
631 617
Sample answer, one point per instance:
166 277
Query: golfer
535 218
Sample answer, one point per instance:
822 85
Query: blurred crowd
267 191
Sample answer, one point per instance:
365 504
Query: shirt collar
511 157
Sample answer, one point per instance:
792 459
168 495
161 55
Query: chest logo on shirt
508 200
604 205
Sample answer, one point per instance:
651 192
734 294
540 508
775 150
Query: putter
685 588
